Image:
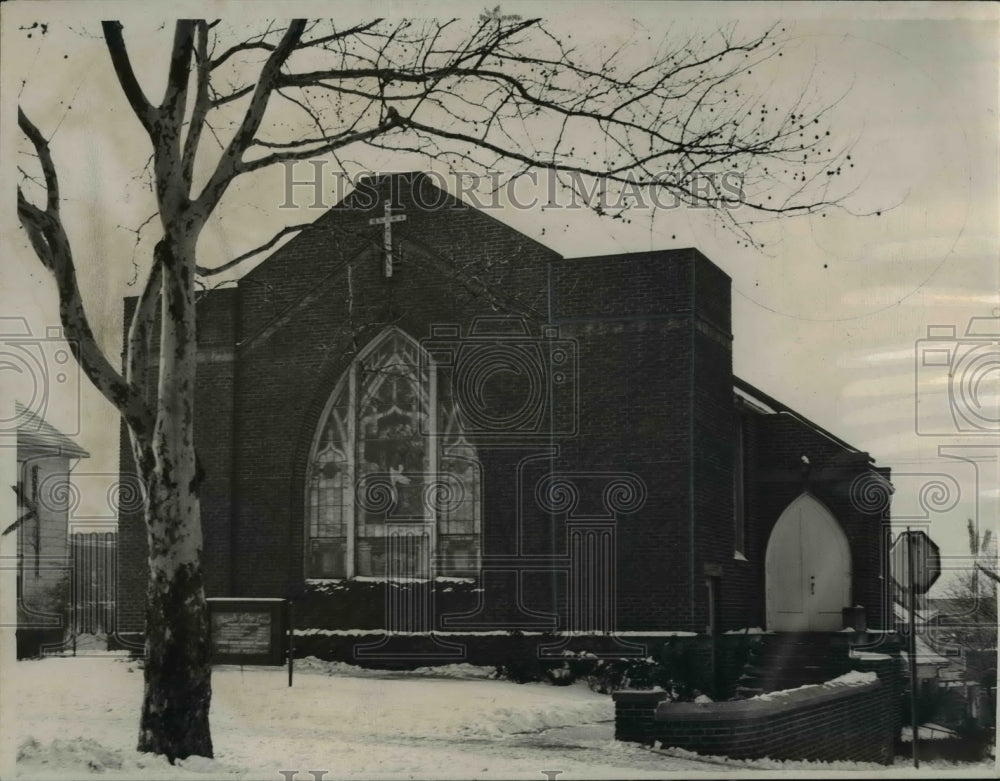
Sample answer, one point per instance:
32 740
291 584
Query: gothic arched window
393 487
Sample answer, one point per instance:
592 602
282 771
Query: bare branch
680 116
263 45
208 272
172 187
238 48
45 158
48 239
229 97
178 75
126 76
202 103
230 163
325 146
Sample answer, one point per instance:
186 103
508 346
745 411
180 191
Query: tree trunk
178 687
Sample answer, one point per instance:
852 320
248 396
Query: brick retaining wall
853 723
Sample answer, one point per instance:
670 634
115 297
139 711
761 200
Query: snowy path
72 717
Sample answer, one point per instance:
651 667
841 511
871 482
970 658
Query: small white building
45 459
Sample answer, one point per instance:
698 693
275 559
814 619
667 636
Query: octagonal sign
916 547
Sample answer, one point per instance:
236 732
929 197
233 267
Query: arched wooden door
807 570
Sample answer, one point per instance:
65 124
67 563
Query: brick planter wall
854 723
635 715
892 676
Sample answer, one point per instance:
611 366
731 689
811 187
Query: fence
93 583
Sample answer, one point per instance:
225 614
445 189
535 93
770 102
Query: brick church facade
562 438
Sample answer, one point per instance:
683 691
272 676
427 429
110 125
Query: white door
807 570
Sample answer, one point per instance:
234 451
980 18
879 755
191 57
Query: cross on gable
387 221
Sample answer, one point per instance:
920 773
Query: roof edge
783 409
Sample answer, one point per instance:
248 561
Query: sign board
926 558
248 631
713 569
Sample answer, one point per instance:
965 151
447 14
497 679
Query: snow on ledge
852 678
374 579
484 633
870 656
220 600
368 632
928 731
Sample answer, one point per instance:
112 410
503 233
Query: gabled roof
37 438
367 194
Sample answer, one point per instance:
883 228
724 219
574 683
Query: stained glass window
391 461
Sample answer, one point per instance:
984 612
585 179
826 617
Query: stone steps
787 661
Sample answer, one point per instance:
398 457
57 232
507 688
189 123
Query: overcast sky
828 317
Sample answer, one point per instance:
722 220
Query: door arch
807 569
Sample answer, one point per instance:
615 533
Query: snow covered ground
77 717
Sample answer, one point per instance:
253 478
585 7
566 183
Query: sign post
916 566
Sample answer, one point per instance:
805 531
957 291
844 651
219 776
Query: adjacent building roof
948 607
37 438
764 404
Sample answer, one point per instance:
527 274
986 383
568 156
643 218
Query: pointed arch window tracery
390 455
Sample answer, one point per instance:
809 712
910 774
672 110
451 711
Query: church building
411 392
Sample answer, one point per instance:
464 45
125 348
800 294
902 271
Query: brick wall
851 723
712 427
653 331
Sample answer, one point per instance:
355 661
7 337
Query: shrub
673 672
523 670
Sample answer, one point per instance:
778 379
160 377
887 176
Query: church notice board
248 631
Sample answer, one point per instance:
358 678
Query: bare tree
500 92
966 615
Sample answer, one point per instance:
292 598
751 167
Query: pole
290 613
714 662
910 566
